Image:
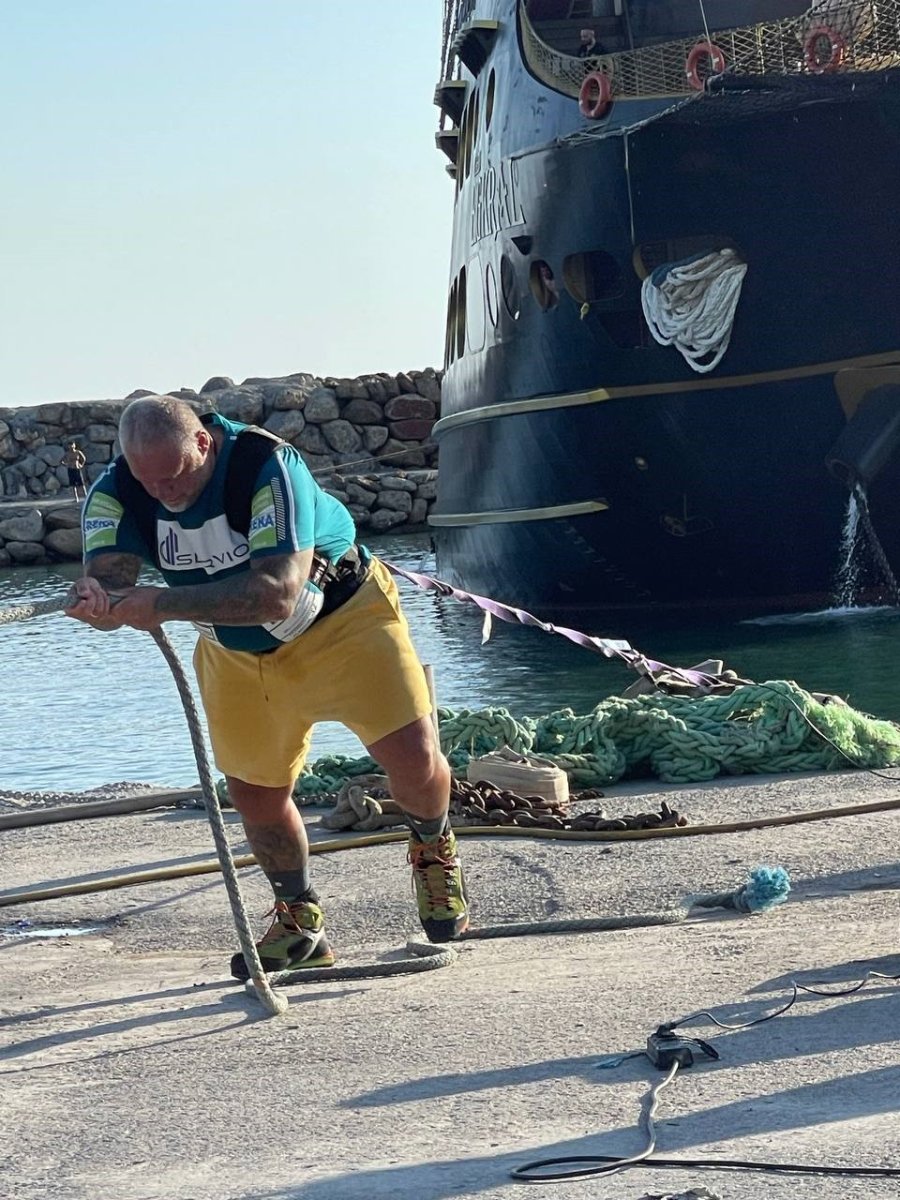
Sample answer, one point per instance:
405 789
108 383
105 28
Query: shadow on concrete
863 1020
871 1093
235 995
836 976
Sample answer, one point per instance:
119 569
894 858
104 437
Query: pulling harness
338 579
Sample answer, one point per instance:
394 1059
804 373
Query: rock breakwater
367 440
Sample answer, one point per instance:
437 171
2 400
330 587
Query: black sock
292 885
427 829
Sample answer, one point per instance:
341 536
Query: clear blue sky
200 187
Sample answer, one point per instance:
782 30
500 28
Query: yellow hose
211 866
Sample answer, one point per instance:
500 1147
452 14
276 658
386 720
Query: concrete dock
133 1068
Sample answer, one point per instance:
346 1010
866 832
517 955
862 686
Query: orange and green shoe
440 887
295 939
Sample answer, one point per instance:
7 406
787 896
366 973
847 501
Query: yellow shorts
357 666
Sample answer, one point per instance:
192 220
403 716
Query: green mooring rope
760 728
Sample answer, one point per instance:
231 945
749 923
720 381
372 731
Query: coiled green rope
759 728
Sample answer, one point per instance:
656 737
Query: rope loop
692 304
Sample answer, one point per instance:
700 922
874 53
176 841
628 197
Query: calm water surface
79 708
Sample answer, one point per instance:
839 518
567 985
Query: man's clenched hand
131 606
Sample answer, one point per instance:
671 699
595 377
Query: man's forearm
250 598
114 571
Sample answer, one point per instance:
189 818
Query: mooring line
259 983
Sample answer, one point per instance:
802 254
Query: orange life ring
595 95
707 52
837 48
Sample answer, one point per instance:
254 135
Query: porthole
543 285
509 288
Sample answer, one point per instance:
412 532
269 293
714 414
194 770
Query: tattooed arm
269 591
89 598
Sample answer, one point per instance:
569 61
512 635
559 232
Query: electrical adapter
665 1048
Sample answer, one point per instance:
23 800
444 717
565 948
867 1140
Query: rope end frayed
766 887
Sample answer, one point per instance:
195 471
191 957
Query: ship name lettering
495 201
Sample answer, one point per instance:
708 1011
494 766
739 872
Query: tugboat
672 325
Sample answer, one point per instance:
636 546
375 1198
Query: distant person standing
74 461
590 47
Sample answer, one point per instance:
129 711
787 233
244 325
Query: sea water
80 709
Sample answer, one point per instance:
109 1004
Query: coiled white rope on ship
691 305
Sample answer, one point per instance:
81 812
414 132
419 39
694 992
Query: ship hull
709 491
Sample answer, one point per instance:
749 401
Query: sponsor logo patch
212 548
263 532
101 522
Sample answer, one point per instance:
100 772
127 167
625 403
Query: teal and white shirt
289 513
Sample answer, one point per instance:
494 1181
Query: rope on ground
766 888
210 867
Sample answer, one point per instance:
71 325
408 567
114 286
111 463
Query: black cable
798 987
525 1174
615 1164
611 1164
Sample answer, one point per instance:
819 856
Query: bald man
297 625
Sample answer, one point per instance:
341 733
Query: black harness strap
252 449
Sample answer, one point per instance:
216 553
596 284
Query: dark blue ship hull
584 467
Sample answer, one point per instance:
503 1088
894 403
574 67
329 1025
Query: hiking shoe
440 889
296 938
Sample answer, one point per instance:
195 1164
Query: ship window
469 135
463 148
461 314
509 288
490 291
450 339
593 275
489 99
475 307
543 285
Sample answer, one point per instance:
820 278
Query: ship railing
832 36
456 14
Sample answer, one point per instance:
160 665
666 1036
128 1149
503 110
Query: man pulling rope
297 625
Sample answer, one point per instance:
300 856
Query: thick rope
766 728
425 957
766 888
186 870
24 612
258 980
691 304
274 1004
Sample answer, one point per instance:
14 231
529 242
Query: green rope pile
755 729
